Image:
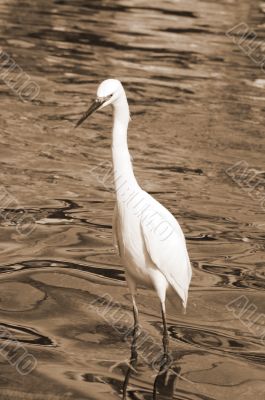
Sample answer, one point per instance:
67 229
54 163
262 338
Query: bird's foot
126 363
166 360
165 363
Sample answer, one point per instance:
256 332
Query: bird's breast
132 246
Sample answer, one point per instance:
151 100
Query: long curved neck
122 166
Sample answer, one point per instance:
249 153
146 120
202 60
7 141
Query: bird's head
108 92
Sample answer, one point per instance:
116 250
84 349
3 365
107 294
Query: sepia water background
197 106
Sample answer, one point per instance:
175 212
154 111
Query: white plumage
150 241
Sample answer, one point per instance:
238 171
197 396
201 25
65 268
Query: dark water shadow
165 381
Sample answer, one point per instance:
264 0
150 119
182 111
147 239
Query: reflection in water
134 354
195 112
166 383
132 365
166 377
166 358
162 382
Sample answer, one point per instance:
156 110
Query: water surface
196 110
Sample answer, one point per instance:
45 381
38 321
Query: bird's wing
165 244
115 230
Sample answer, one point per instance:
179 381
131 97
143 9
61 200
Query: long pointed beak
94 107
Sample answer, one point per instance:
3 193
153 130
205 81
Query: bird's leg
135 331
165 333
134 354
166 360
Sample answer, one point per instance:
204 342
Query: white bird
149 239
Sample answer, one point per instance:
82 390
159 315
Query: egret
149 239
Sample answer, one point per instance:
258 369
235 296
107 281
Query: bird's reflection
133 361
166 377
